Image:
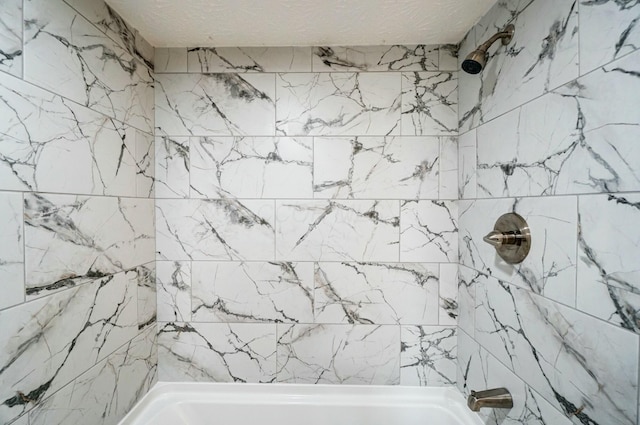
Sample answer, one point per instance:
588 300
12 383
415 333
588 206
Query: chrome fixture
510 237
497 398
476 60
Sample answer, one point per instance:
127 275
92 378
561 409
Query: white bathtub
292 404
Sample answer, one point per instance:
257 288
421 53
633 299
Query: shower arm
505 35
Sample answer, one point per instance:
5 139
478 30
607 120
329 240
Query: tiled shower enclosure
315 214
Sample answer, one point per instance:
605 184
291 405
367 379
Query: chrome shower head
476 60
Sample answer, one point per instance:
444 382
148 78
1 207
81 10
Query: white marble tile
338 354
582 365
71 240
249 59
145 165
97 72
608 275
172 167
542 55
173 286
608 30
335 104
479 370
224 229
252 292
251 167
550 267
167 60
11 249
448 295
217 352
215 104
111 23
11 37
562 143
376 293
428 356
448 60
50 144
467 162
337 230
429 103
144 278
467 281
140 214
448 174
376 58
50 341
107 391
376 167
429 231
608 302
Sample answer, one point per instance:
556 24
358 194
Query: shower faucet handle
510 237
497 239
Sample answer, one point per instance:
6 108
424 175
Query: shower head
476 60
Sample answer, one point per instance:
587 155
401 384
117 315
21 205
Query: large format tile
97 72
71 240
251 167
11 37
337 230
429 231
334 104
338 354
608 242
217 352
249 59
429 103
376 58
223 229
563 142
376 293
608 30
581 365
376 167
542 55
50 341
252 292
550 267
107 391
50 144
428 356
215 104
11 249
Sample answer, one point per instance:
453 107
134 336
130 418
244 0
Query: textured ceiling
190 23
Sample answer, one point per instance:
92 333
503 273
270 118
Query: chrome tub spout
497 398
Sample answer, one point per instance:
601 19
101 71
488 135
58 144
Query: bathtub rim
292 393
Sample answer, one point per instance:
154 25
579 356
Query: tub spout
497 398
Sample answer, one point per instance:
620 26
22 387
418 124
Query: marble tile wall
77 264
549 130
306 221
